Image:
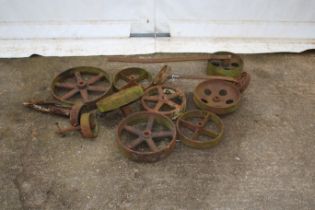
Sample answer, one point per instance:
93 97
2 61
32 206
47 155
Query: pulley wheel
230 67
217 96
81 84
88 125
166 100
132 76
146 136
200 129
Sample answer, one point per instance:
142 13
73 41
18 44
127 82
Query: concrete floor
265 161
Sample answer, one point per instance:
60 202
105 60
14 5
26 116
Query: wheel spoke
77 75
160 91
188 125
172 96
132 130
84 94
151 98
158 105
208 132
151 144
70 94
135 143
95 79
150 123
97 88
124 77
65 85
171 103
161 134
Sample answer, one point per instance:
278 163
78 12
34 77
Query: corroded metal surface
217 96
194 129
166 100
231 67
163 75
146 136
88 126
132 76
120 98
165 59
84 84
73 112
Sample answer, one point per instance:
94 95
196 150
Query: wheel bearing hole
204 100
223 92
230 101
207 92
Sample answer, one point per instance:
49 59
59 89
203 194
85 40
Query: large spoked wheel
146 136
81 84
132 76
200 129
165 100
217 96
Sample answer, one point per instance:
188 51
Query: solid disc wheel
230 68
146 136
165 100
217 96
132 76
200 129
81 84
88 125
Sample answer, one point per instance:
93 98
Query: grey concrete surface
265 161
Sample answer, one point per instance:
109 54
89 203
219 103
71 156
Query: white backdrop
91 27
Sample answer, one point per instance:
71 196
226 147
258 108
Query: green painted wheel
230 68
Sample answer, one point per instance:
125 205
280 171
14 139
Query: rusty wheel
165 100
88 125
217 96
230 67
132 76
200 129
146 136
81 84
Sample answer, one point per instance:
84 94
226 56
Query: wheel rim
165 100
132 76
217 96
146 136
198 124
81 84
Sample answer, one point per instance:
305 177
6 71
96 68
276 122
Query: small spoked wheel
200 129
146 136
217 96
132 76
81 84
165 100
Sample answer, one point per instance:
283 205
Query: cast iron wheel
88 125
132 76
230 68
217 96
81 84
146 136
166 100
200 129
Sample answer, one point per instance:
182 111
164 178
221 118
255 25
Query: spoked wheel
146 136
230 67
200 129
217 96
132 76
165 100
81 84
